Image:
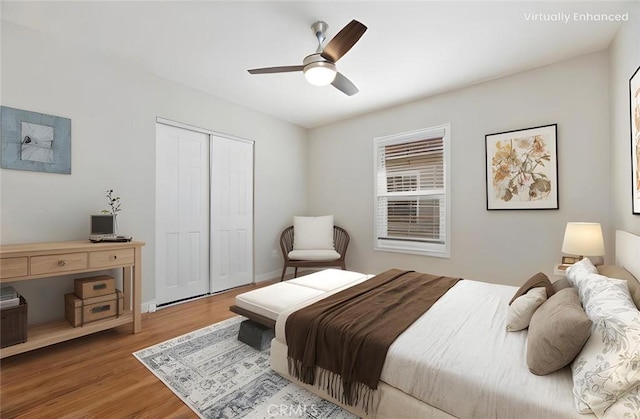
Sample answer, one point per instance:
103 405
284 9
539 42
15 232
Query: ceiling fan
320 67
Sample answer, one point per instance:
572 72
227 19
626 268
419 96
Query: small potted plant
114 207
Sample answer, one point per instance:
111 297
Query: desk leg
126 286
137 290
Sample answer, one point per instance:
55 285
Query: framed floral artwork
522 169
634 106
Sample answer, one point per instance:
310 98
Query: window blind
411 191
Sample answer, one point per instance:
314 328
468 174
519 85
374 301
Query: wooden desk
22 262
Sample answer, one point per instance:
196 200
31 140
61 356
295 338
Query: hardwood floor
97 375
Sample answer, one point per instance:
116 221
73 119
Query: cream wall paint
113 108
495 246
624 59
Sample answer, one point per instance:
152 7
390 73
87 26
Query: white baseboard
147 305
144 308
276 274
267 276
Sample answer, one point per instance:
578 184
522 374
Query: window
412 204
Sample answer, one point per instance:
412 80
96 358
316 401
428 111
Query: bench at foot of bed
255 335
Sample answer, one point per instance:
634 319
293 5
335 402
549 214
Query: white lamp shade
583 239
320 73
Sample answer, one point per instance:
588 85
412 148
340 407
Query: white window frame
442 250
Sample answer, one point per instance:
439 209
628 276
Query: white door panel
182 214
231 213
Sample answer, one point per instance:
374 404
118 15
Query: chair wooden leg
284 270
295 273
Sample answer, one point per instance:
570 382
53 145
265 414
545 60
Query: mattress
459 358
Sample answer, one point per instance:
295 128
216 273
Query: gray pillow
557 332
613 271
538 280
561 284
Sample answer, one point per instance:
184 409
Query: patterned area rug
220 377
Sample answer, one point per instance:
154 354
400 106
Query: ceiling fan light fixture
320 73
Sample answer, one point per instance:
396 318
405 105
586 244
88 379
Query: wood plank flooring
96 375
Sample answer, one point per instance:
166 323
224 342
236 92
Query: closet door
182 214
231 213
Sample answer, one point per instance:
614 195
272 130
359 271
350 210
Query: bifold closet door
182 214
231 213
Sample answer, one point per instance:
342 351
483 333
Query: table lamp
583 239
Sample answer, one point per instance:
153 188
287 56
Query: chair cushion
315 255
313 233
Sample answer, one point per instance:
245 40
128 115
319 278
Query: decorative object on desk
583 239
569 260
114 207
522 169
103 225
35 141
634 105
217 376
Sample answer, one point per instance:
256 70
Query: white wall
113 108
624 59
495 246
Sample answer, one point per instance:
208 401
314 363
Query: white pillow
580 271
313 233
521 310
608 366
626 407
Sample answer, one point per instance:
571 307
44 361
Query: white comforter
459 358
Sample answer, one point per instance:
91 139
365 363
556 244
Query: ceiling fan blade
344 85
284 69
343 41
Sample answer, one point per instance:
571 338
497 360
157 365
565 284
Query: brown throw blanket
347 335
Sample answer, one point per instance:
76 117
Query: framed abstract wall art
522 169
634 106
35 141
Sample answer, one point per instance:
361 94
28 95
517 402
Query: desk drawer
13 267
58 263
106 258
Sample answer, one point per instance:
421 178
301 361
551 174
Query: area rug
218 376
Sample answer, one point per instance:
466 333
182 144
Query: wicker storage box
13 326
79 312
94 286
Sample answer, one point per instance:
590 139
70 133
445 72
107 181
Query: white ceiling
412 49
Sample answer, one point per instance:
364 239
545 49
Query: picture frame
35 141
522 169
634 120
569 260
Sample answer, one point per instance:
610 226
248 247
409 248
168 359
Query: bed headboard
628 252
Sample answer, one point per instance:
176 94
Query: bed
468 367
